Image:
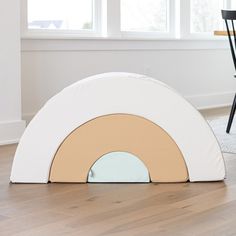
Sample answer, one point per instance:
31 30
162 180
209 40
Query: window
206 15
60 17
233 4
60 14
123 18
144 15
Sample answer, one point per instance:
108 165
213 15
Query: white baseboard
28 117
210 101
11 131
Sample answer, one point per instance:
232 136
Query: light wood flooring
117 209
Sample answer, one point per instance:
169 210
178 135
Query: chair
230 16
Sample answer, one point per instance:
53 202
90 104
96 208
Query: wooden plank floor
116 209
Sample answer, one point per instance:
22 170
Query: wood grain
116 209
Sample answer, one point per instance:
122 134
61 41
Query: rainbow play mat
117 127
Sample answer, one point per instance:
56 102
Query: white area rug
226 141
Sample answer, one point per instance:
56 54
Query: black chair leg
231 117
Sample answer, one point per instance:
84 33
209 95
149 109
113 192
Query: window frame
185 13
171 15
107 24
48 33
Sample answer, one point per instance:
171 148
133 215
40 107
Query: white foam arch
113 93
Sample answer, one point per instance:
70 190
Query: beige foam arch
118 132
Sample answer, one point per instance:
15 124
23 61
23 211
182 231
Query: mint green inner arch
119 167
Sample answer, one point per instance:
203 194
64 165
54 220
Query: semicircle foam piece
118 167
117 93
119 132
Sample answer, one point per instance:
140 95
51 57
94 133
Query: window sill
75 43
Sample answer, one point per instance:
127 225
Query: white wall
205 77
11 125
